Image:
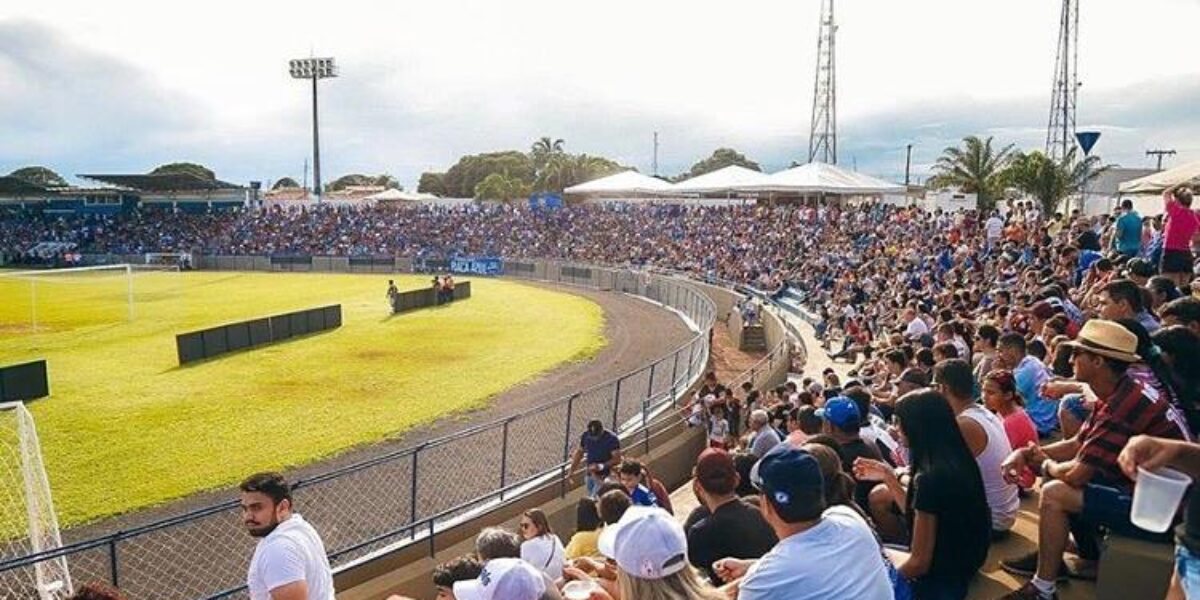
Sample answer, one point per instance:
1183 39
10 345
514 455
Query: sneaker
1078 568
1028 592
1026 566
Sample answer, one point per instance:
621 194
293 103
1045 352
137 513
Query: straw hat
1107 338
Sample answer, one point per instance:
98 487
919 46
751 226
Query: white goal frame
52 576
33 276
150 256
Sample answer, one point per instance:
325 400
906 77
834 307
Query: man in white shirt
994 228
814 541
289 561
916 326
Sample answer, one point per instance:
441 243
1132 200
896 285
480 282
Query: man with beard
289 561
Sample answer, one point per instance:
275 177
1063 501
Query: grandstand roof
13 186
822 178
173 182
731 178
625 182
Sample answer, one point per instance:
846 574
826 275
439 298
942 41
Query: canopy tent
822 178
733 178
1155 183
393 195
625 183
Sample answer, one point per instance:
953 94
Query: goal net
28 524
167 261
65 299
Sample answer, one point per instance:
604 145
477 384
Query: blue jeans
1187 566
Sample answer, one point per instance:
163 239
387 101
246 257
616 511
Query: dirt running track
211 554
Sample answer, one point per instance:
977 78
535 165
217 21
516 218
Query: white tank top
1002 496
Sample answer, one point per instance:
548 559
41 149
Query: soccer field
125 427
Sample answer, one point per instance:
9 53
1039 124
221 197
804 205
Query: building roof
1106 183
1158 181
171 182
823 178
729 178
15 186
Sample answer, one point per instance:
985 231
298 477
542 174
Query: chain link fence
402 496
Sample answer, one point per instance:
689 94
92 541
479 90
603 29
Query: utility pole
654 165
822 132
907 166
1159 154
314 69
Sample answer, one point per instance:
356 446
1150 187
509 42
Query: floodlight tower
314 69
822 133
1060 134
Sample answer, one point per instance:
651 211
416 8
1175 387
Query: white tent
393 195
728 179
1155 183
625 183
821 178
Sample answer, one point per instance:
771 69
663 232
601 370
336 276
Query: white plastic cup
1156 498
579 590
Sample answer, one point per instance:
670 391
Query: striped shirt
1124 414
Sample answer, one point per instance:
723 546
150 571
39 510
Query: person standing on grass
289 562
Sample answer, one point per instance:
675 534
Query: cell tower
822 134
1060 134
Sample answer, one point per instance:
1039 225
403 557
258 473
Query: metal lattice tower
1060 134
822 134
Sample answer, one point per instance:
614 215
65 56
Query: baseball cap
647 543
790 478
715 469
841 411
503 579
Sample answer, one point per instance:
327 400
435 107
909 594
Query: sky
124 86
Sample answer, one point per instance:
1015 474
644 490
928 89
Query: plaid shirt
1124 414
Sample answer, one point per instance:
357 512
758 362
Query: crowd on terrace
994 357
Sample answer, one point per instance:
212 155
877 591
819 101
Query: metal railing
404 496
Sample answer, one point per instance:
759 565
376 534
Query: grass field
126 427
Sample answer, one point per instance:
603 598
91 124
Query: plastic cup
579 590
1156 498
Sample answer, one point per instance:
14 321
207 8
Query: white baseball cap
646 543
503 579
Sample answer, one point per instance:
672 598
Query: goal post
28 523
175 261
61 293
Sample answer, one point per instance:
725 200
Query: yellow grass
125 427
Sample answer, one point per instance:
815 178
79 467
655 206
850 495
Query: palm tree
975 168
1049 182
543 149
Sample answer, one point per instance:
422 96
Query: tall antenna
1060 134
822 134
654 165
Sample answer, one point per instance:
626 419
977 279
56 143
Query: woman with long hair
539 546
1179 351
587 530
945 504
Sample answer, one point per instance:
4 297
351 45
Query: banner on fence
476 265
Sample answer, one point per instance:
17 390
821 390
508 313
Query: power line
1160 154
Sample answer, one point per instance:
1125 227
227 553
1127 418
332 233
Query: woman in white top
539 546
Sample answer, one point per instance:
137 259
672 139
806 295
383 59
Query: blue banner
476 265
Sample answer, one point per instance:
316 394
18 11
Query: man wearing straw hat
1083 485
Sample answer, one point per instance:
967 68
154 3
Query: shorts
1177 261
1109 507
1075 405
1187 568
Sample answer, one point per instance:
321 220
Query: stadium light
314 69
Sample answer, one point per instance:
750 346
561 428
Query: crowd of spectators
992 358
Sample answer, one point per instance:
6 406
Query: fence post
617 403
413 488
645 427
112 561
649 387
504 460
674 374
567 443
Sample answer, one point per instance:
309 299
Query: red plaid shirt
1124 414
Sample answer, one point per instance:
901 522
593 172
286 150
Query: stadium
538 374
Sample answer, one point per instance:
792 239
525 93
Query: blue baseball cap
841 411
791 479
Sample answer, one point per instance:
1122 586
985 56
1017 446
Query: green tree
1049 182
565 170
975 168
721 158
461 178
543 149
286 182
502 187
39 176
431 183
186 168
360 180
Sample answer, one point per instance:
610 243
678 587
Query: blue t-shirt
642 496
1129 233
1030 376
599 448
